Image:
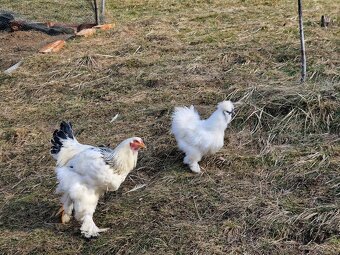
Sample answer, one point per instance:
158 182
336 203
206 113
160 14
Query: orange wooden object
53 47
86 32
105 26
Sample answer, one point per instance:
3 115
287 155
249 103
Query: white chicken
196 137
86 172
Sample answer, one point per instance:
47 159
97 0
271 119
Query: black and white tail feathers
65 132
64 145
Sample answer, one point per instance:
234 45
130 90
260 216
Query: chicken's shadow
27 216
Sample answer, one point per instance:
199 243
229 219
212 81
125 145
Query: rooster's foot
65 218
89 228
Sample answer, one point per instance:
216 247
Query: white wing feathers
70 148
89 168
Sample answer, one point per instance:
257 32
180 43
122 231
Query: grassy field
276 192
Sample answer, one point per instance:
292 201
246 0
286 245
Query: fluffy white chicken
86 172
196 137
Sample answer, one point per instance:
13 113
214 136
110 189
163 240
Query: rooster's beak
142 145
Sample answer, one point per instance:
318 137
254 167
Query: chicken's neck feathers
125 159
216 121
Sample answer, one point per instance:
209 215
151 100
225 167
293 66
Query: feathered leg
67 208
84 208
89 228
192 157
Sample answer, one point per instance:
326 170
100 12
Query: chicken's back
90 168
193 134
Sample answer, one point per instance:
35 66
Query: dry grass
274 187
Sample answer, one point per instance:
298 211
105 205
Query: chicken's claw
63 216
103 229
60 211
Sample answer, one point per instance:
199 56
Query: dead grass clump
88 62
288 112
295 129
289 220
310 225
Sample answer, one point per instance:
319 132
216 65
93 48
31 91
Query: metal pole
102 20
302 43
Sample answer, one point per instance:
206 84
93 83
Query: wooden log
105 26
86 32
53 47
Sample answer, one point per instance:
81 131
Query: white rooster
86 172
196 137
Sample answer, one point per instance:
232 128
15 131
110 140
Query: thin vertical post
96 12
103 12
302 44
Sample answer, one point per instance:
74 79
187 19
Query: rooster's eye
229 112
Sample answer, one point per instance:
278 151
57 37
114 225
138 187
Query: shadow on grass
29 214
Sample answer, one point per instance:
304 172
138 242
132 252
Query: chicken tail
184 119
65 132
64 144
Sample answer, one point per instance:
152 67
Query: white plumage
196 137
86 172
